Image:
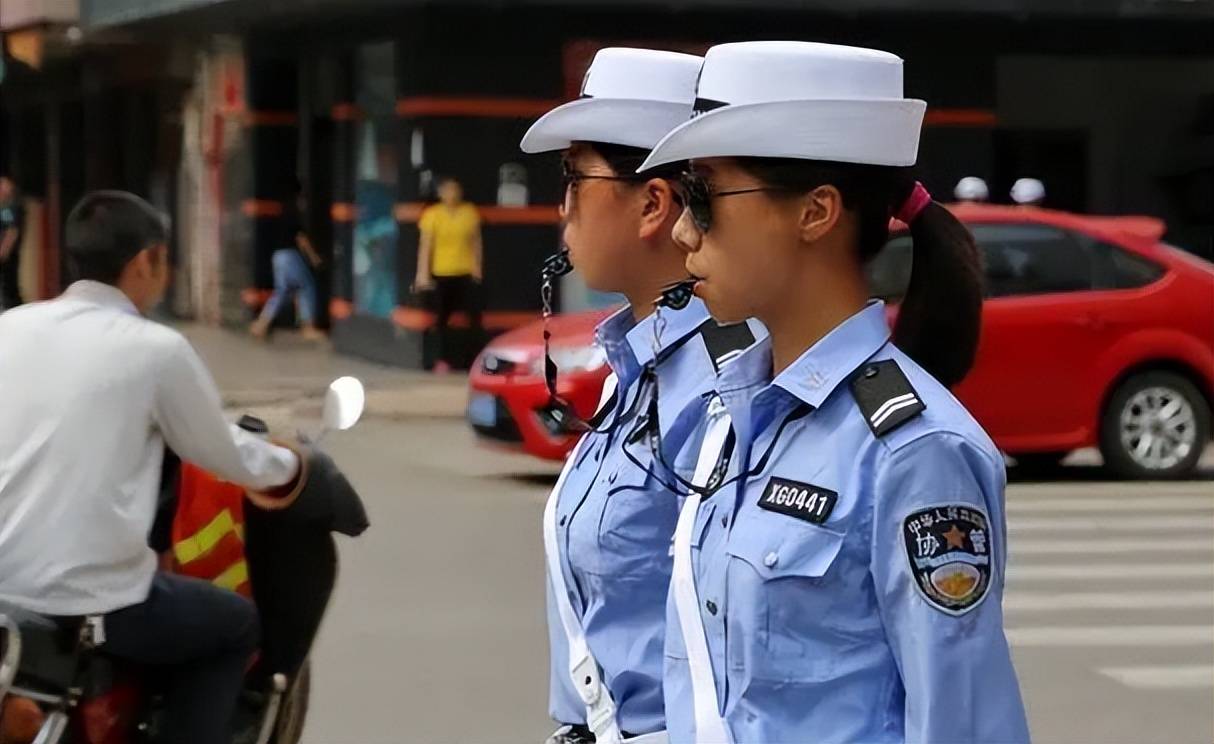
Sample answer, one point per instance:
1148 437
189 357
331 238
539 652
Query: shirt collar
611 335
628 343
830 361
678 325
97 293
750 368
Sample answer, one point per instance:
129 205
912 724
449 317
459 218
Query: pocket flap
784 548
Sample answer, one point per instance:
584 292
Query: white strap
710 728
583 669
657 737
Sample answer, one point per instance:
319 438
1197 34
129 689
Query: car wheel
1155 426
1039 463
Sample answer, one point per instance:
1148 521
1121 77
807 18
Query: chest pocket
782 596
636 523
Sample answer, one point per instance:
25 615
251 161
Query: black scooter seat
50 650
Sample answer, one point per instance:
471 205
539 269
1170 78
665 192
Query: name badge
804 501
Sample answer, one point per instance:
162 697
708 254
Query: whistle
677 296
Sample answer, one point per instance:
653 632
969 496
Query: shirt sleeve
426 222
189 413
938 564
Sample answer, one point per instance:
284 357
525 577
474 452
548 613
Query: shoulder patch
949 554
885 396
724 342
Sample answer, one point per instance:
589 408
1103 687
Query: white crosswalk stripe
1111 504
1163 677
1104 545
1111 635
1125 576
1088 571
1115 523
1054 602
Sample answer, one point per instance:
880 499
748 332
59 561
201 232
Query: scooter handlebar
325 496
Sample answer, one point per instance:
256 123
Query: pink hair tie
915 203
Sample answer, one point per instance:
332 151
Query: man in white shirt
91 392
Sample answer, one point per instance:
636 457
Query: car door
1041 332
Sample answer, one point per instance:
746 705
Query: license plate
482 410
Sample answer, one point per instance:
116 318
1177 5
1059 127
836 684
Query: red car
1094 333
508 400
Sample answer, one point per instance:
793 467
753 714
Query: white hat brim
870 131
615 121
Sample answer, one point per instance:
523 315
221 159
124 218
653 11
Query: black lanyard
676 296
706 491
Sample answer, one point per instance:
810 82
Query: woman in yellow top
449 262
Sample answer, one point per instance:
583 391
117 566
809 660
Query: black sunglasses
570 178
697 197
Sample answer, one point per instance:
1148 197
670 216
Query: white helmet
1028 191
972 188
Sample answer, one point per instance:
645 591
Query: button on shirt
91 392
615 520
819 632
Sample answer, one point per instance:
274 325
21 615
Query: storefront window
375 232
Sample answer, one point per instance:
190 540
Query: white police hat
630 97
792 99
1028 191
972 188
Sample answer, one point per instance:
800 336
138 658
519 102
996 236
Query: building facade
367 103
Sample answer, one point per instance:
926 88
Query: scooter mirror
344 404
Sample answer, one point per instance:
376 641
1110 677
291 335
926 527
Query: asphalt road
437 629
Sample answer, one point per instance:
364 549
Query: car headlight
574 359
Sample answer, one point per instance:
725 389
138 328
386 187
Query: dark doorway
319 189
1058 158
71 154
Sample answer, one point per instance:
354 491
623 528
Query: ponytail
941 314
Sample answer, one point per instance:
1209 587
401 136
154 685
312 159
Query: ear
820 212
140 264
660 208
148 261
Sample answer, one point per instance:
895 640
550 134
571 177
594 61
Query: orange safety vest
208 531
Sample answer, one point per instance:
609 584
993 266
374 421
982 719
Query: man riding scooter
92 392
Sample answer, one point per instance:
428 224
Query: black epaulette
885 396
724 342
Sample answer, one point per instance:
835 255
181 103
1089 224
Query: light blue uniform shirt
827 632
615 520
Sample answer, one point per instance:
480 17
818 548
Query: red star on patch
955 538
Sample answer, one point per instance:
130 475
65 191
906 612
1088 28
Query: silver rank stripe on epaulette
885 397
890 407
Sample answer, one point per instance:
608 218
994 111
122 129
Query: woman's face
745 260
450 193
601 220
